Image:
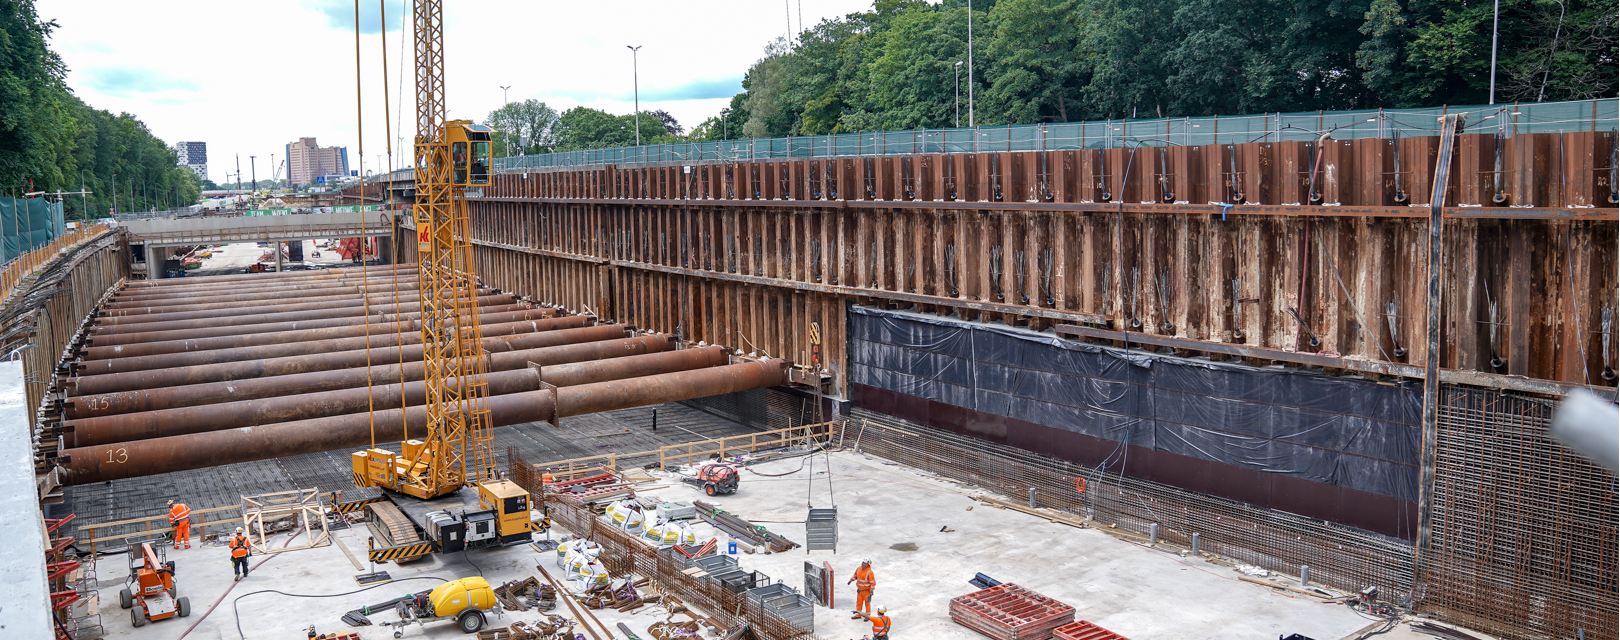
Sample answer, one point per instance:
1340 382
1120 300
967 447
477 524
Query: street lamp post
1496 8
970 62
635 79
505 102
958 93
253 171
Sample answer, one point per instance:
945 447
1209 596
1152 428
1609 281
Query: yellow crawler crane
455 452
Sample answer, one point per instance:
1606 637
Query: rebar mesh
1524 530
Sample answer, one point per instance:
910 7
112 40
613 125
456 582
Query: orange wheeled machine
149 592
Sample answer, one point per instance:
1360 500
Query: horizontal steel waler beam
312 274
268 367
385 291
400 325
104 327
288 408
193 312
381 340
229 294
1450 213
156 399
157 305
113 339
376 277
119 460
888 294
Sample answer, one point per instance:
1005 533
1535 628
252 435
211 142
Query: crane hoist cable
388 143
365 298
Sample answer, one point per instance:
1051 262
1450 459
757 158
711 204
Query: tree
727 125
1561 51
910 71
1065 60
586 128
52 141
1039 65
529 121
670 124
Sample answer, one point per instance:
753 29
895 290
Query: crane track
392 528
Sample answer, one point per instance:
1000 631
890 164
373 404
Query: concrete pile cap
1010 612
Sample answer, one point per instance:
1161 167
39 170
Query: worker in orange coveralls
880 623
180 519
864 583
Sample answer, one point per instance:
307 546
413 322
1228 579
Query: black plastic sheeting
1345 432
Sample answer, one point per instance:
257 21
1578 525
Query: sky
249 77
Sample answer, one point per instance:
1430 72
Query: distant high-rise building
307 161
194 156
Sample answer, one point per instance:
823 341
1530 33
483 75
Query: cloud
696 90
129 81
340 15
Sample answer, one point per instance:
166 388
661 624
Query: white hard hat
238 529
171 502
866 562
883 609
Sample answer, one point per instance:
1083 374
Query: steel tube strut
87 385
243 309
309 295
315 274
119 460
411 335
287 408
145 324
106 404
257 287
306 335
99 340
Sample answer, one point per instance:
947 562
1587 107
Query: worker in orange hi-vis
880 623
864 581
240 548
180 519
546 480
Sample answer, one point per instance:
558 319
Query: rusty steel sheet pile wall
47 312
1309 254
1320 259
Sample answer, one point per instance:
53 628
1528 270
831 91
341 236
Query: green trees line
894 66
50 140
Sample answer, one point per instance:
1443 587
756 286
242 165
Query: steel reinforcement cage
622 554
1525 538
1507 119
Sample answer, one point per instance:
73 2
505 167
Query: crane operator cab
469 152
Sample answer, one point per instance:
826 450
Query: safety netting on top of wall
1506 119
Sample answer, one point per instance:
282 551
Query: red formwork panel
1082 630
1010 612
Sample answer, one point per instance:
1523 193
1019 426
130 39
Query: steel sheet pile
1010 612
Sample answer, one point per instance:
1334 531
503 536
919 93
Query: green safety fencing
27 224
1507 119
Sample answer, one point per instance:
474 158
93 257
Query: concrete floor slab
884 509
